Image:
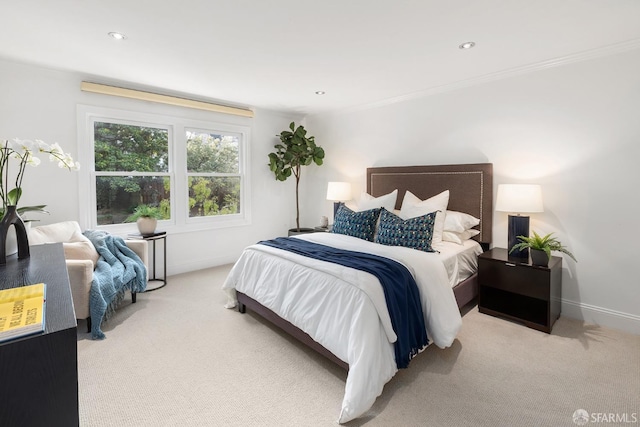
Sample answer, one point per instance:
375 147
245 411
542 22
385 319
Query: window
131 169
213 173
194 172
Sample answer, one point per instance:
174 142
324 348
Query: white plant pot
146 225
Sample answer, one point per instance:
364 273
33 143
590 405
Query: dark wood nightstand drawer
531 282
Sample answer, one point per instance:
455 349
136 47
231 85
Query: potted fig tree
541 248
295 151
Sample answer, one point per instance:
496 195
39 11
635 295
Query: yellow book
22 311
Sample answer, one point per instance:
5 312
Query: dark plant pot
10 218
295 231
539 258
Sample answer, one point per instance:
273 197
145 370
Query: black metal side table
160 235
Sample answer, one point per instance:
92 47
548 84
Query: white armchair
81 257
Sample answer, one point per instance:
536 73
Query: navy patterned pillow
357 224
413 233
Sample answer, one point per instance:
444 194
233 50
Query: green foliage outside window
213 171
127 148
130 148
209 156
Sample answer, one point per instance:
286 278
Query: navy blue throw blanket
400 290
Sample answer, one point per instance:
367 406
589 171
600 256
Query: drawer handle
509 264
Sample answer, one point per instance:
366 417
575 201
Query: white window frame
198 219
180 221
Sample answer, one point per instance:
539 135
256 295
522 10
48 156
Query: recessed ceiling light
320 92
467 45
117 36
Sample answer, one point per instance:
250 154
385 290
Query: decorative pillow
80 247
367 201
459 221
53 233
357 224
452 236
415 233
413 207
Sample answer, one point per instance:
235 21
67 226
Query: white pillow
452 236
413 207
367 201
459 221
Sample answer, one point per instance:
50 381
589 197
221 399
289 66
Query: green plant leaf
546 243
144 211
14 195
38 208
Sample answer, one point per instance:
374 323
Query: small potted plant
541 248
146 217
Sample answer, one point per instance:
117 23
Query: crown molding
586 55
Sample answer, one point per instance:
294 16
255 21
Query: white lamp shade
519 198
339 191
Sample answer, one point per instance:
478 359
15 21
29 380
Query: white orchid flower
25 146
56 149
32 161
23 150
43 147
15 155
65 161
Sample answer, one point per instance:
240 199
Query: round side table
160 235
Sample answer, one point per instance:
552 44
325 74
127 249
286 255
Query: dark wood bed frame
471 191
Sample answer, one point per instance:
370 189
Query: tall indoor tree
295 150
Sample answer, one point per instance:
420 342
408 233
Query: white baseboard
601 316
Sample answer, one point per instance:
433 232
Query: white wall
41 103
574 129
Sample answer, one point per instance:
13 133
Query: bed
346 324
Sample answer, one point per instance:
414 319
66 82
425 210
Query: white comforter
344 309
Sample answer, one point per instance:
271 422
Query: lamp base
336 205
518 226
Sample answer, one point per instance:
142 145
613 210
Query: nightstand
519 291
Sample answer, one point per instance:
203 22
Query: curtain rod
163 99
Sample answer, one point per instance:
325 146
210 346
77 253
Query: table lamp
338 192
518 199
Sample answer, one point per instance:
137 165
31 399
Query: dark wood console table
39 373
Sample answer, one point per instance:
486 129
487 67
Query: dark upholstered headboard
470 187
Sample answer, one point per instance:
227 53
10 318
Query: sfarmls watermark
582 417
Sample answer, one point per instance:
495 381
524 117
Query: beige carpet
178 358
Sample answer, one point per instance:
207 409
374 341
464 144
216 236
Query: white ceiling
276 53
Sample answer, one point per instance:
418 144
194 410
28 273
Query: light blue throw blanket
118 269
